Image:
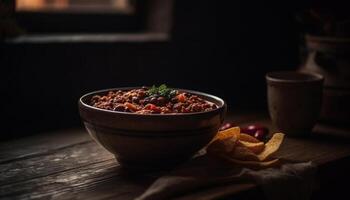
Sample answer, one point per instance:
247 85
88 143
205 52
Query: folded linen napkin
290 181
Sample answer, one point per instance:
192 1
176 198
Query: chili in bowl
151 127
153 100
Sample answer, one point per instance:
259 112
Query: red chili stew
152 101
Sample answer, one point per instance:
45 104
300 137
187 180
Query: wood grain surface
67 164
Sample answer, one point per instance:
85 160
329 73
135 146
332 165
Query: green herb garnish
162 90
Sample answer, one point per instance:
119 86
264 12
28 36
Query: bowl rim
222 106
275 77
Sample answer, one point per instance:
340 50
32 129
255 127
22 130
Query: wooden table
67 164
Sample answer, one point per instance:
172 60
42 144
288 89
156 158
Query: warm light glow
39 5
30 4
61 3
123 4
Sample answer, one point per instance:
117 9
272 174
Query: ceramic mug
294 100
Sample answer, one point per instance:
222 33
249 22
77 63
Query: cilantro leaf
162 90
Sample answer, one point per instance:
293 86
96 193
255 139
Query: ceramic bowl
139 140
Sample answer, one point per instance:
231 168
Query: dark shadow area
214 47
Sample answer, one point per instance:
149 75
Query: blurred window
80 16
119 6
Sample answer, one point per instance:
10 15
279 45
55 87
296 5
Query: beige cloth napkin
289 182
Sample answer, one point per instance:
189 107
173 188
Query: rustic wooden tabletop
67 164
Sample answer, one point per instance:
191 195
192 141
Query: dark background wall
214 47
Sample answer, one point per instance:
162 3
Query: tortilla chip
254 164
243 153
256 147
248 138
271 146
244 149
223 146
234 131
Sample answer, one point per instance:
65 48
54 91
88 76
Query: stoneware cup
294 100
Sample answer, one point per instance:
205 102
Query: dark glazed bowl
139 140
